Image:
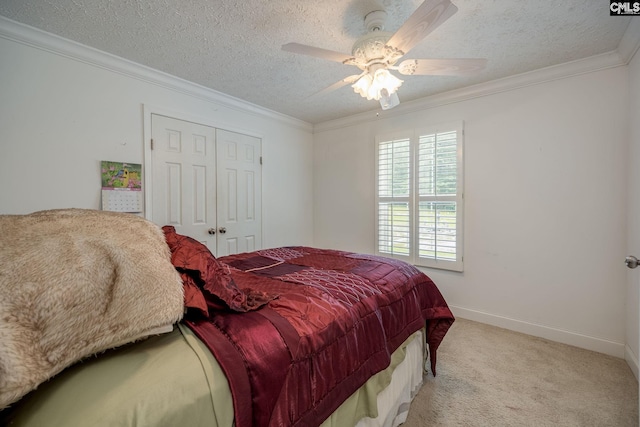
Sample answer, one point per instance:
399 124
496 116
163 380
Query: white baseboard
631 360
558 335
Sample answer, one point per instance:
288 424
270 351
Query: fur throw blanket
76 282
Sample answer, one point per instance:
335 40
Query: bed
157 331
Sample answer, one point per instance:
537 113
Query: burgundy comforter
327 320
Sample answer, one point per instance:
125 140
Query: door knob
211 231
222 230
631 261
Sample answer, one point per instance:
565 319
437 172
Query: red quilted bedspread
327 321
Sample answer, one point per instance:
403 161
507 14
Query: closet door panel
239 192
184 177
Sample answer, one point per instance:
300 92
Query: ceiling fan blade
426 18
441 67
340 83
316 52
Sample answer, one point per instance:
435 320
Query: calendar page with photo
121 187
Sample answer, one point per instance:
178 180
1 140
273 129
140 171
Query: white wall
64 108
545 213
633 223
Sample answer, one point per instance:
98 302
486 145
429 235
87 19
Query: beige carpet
489 376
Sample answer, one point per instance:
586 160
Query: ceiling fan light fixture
385 80
372 87
363 85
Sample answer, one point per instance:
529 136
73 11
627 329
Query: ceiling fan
377 53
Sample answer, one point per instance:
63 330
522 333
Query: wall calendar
122 187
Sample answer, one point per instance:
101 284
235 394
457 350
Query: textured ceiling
234 46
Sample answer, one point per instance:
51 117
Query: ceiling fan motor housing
372 48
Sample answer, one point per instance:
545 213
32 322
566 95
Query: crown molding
622 55
543 75
630 42
36 38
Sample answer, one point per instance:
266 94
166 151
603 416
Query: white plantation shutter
394 177
437 190
419 197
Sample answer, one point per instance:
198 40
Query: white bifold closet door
207 184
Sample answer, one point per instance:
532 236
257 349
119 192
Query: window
419 197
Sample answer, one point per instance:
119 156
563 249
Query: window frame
414 135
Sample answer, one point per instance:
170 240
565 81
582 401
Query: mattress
173 379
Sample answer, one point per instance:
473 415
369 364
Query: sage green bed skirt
167 380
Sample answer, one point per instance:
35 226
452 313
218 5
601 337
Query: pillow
75 282
203 274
